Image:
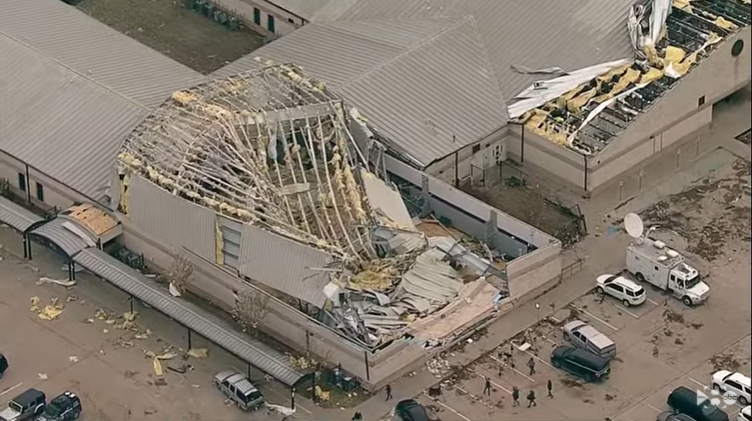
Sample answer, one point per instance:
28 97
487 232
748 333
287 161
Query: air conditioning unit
660 245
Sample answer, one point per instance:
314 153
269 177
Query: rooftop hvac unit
672 254
662 258
660 245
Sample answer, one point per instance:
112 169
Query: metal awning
56 231
16 216
256 353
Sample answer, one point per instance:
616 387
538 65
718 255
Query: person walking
388 391
550 387
531 399
515 396
358 416
531 365
487 387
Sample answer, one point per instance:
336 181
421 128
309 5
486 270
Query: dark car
686 401
670 416
410 410
580 363
65 407
25 406
3 365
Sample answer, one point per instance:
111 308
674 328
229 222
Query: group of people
516 393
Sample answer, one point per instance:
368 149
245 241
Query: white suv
745 414
629 292
736 383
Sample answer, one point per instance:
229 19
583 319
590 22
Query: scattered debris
42 376
34 304
157 367
161 381
129 374
51 311
438 367
609 397
62 282
73 359
672 316
198 352
725 361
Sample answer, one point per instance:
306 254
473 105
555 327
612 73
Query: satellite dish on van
633 225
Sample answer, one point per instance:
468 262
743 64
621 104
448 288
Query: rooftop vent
662 258
672 254
660 245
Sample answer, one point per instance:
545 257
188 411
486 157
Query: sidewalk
608 255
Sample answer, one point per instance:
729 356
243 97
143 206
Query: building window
40 192
256 16
270 23
737 48
22 181
701 101
291 20
476 148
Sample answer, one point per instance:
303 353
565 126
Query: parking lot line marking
551 342
654 408
554 319
492 382
696 382
514 369
10 389
449 408
624 309
538 358
596 318
653 302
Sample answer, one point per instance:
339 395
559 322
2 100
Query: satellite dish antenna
633 225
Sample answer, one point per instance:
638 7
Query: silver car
582 335
239 389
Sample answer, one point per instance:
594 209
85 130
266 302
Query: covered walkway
20 219
193 317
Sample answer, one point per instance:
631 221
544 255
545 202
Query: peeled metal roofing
188 314
17 216
65 34
424 85
58 121
56 232
570 34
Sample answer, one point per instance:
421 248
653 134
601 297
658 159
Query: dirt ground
183 35
710 217
529 205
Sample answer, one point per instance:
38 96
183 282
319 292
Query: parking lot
661 344
88 350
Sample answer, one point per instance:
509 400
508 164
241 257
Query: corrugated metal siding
65 34
570 34
195 318
16 216
176 220
60 122
434 99
284 265
66 240
339 52
423 84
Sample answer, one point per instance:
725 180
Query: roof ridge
491 71
408 50
72 70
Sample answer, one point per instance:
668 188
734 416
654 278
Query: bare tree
180 272
250 310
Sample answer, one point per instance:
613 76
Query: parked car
65 407
410 410
630 293
745 414
585 336
671 416
580 363
686 401
239 389
25 406
3 365
736 383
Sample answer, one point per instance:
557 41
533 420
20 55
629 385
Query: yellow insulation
682 68
562 101
575 104
684 5
652 75
725 24
615 72
219 255
674 54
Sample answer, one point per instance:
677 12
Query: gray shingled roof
72 89
419 83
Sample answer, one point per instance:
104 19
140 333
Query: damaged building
256 179
451 85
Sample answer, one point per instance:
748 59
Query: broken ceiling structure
270 149
586 109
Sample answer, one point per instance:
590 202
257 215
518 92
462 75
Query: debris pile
49 312
438 367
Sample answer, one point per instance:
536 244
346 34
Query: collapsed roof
585 110
270 148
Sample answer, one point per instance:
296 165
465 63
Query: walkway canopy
16 216
69 238
194 318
